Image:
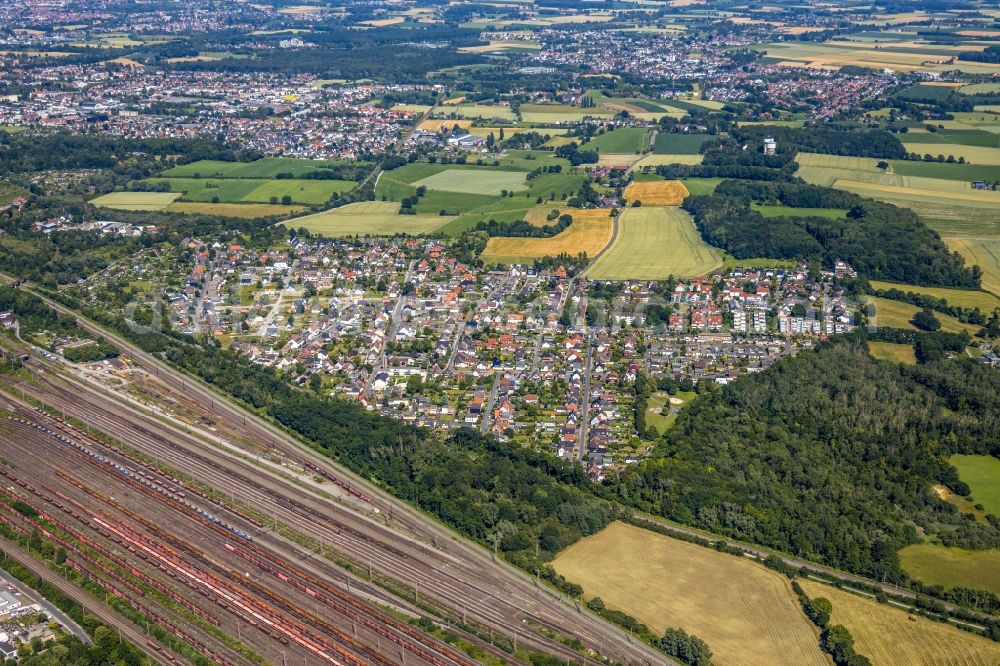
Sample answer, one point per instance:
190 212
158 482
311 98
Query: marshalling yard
246 546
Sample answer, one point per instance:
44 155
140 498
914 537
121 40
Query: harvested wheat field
589 233
887 636
657 192
746 613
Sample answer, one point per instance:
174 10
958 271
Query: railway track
384 625
433 563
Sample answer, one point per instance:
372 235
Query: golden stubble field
886 634
746 613
657 192
590 232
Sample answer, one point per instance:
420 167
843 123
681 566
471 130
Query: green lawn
891 351
982 473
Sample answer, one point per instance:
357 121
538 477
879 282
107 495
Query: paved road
65 620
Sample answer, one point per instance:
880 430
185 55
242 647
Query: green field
668 143
136 200
982 473
896 314
545 114
980 89
959 137
965 298
701 186
935 564
653 243
963 172
620 141
374 218
255 190
480 111
891 351
470 181
267 167
778 211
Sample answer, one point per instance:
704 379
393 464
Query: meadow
778 211
982 473
136 200
935 564
965 298
896 314
370 218
746 613
656 159
589 233
888 637
652 244
544 114
891 351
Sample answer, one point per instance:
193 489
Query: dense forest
879 240
826 140
829 455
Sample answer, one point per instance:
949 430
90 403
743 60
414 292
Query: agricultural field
972 154
886 634
471 181
672 143
242 210
891 351
656 159
626 160
965 298
624 140
982 473
589 233
935 564
654 243
664 583
479 111
376 218
255 190
983 252
899 56
896 314
545 114
656 192
136 200
267 167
